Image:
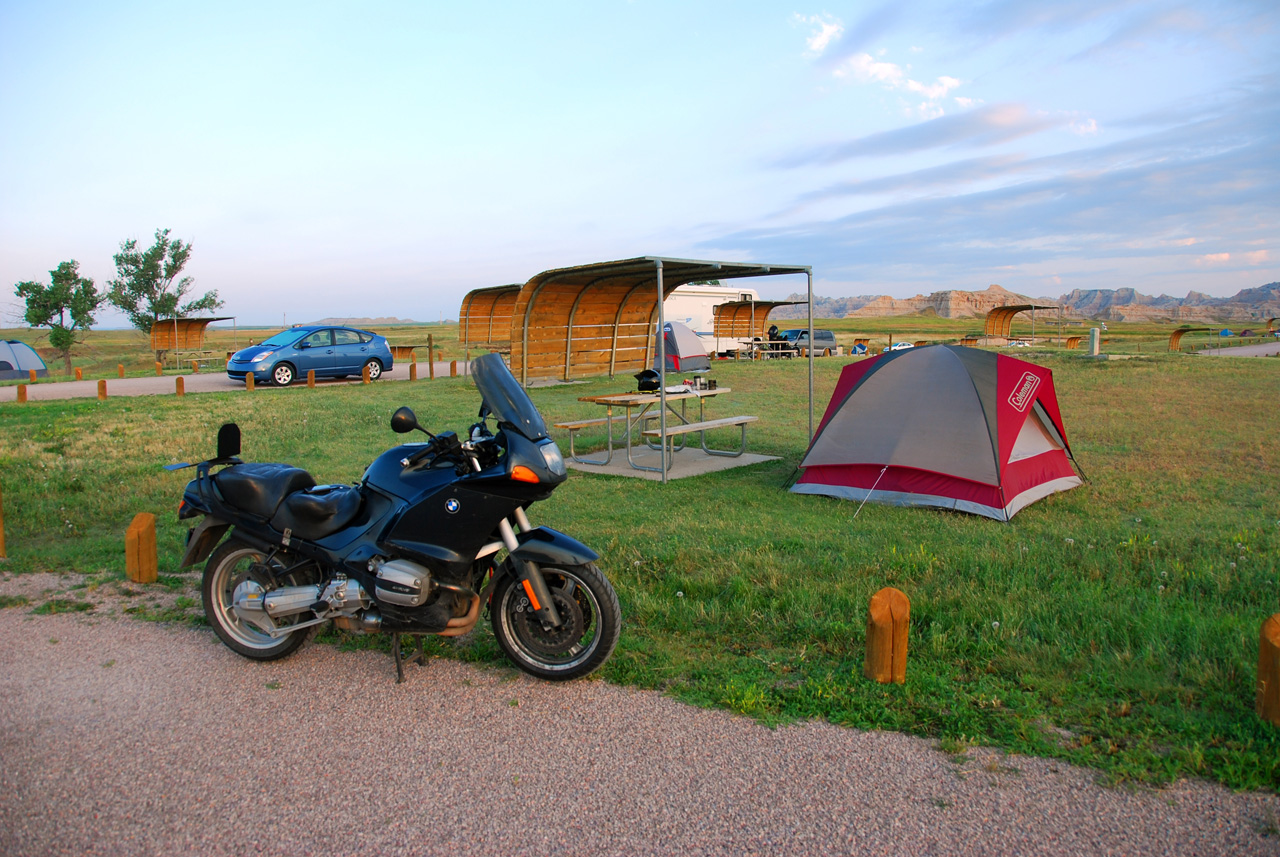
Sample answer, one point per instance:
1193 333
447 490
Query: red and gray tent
941 425
684 350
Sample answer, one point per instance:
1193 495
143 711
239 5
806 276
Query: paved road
120 737
203 382
1263 349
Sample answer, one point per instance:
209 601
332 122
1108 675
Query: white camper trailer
694 306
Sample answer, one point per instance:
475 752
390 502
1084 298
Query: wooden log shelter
738 320
592 320
1175 338
1000 319
182 337
485 318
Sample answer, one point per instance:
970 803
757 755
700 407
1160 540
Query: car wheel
375 369
282 375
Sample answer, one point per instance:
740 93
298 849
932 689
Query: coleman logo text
1024 391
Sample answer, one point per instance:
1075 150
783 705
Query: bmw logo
451 506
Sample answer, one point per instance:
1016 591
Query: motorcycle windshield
505 398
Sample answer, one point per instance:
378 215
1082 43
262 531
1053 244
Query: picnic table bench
702 427
574 426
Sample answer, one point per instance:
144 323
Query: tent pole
662 377
809 274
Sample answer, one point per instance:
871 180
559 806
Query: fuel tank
388 475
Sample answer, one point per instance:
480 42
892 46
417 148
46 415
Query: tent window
1034 439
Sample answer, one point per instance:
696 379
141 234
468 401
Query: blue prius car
333 352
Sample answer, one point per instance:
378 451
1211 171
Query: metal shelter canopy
181 334
485 318
1000 319
1175 338
600 319
744 319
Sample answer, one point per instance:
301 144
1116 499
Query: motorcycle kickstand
418 657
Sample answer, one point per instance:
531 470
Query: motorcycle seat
318 511
258 488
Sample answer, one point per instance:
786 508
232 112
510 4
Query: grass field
1114 626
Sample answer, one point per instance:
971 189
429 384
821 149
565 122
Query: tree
49 306
147 288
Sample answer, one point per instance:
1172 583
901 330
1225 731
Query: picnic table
638 408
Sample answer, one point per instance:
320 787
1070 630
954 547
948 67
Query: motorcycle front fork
527 573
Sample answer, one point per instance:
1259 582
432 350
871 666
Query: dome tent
941 425
684 350
17 359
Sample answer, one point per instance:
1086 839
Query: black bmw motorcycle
434 532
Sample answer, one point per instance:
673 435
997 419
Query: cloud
945 176
828 29
866 69
1172 201
985 126
860 36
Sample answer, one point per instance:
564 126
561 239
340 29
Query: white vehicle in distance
898 346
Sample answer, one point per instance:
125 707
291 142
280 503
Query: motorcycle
433 531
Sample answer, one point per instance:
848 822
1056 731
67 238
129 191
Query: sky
384 158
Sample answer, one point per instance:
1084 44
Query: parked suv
333 352
824 341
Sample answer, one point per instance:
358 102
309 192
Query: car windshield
505 398
284 337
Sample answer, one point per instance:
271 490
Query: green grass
1113 626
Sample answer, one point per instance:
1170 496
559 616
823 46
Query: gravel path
124 737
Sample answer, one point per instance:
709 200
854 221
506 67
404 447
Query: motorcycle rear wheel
227 567
592 618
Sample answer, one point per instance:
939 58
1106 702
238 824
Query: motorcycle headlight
552 458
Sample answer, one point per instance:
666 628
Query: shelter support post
662 372
809 275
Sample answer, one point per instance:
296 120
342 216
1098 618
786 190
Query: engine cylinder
404 583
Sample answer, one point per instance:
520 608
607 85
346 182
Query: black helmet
648 381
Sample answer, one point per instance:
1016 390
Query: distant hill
366 322
1256 304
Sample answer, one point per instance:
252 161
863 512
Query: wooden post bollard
22 393
364 374
311 378
413 371
248 381
140 563
431 357
1268 702
195 367
79 374
102 389
3 555
159 368
180 386
31 373
887 618
119 370
453 368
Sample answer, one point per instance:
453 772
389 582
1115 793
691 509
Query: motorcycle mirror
403 420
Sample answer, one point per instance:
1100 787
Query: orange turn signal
520 473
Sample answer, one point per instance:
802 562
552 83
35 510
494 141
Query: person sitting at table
774 339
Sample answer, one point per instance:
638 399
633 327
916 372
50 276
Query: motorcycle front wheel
231 564
591 622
